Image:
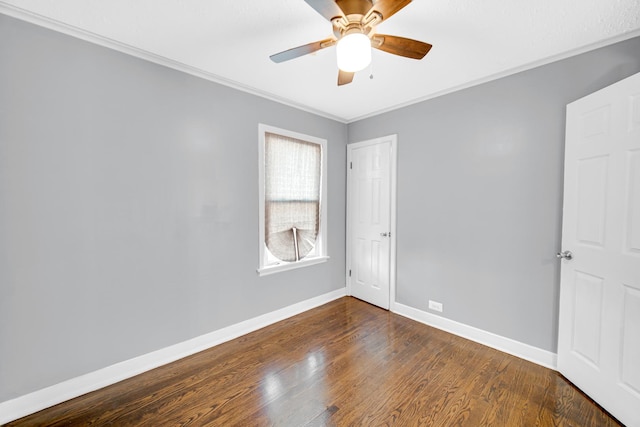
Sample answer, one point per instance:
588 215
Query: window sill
264 271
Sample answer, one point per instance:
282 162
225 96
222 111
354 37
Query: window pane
292 196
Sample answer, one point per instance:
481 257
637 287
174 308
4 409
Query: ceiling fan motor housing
355 7
357 18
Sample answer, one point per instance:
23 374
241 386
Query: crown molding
88 36
505 73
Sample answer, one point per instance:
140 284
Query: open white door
371 220
599 324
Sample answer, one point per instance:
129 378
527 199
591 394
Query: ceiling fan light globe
353 52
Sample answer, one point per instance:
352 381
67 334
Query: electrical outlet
435 306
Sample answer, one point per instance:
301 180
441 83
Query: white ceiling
230 42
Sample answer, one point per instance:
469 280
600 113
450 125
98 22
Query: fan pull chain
371 69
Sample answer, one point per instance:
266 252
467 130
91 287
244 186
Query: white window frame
268 264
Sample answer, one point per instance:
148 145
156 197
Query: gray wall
480 175
129 207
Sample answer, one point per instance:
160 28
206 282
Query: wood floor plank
345 363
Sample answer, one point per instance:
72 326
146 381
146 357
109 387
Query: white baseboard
507 345
24 405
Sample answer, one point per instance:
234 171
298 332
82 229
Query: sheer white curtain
292 196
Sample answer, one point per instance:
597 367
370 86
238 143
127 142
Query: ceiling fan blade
301 50
327 8
388 8
344 77
408 48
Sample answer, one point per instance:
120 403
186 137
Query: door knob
385 234
565 254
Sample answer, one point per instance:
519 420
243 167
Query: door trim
393 159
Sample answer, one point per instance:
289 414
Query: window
292 200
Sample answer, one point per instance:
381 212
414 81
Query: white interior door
371 220
599 325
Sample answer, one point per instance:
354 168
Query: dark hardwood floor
345 363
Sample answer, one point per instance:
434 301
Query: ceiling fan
354 23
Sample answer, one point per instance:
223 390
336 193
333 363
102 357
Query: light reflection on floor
286 386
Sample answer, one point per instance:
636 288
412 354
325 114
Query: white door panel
599 322
370 220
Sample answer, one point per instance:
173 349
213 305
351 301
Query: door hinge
349 273
350 165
